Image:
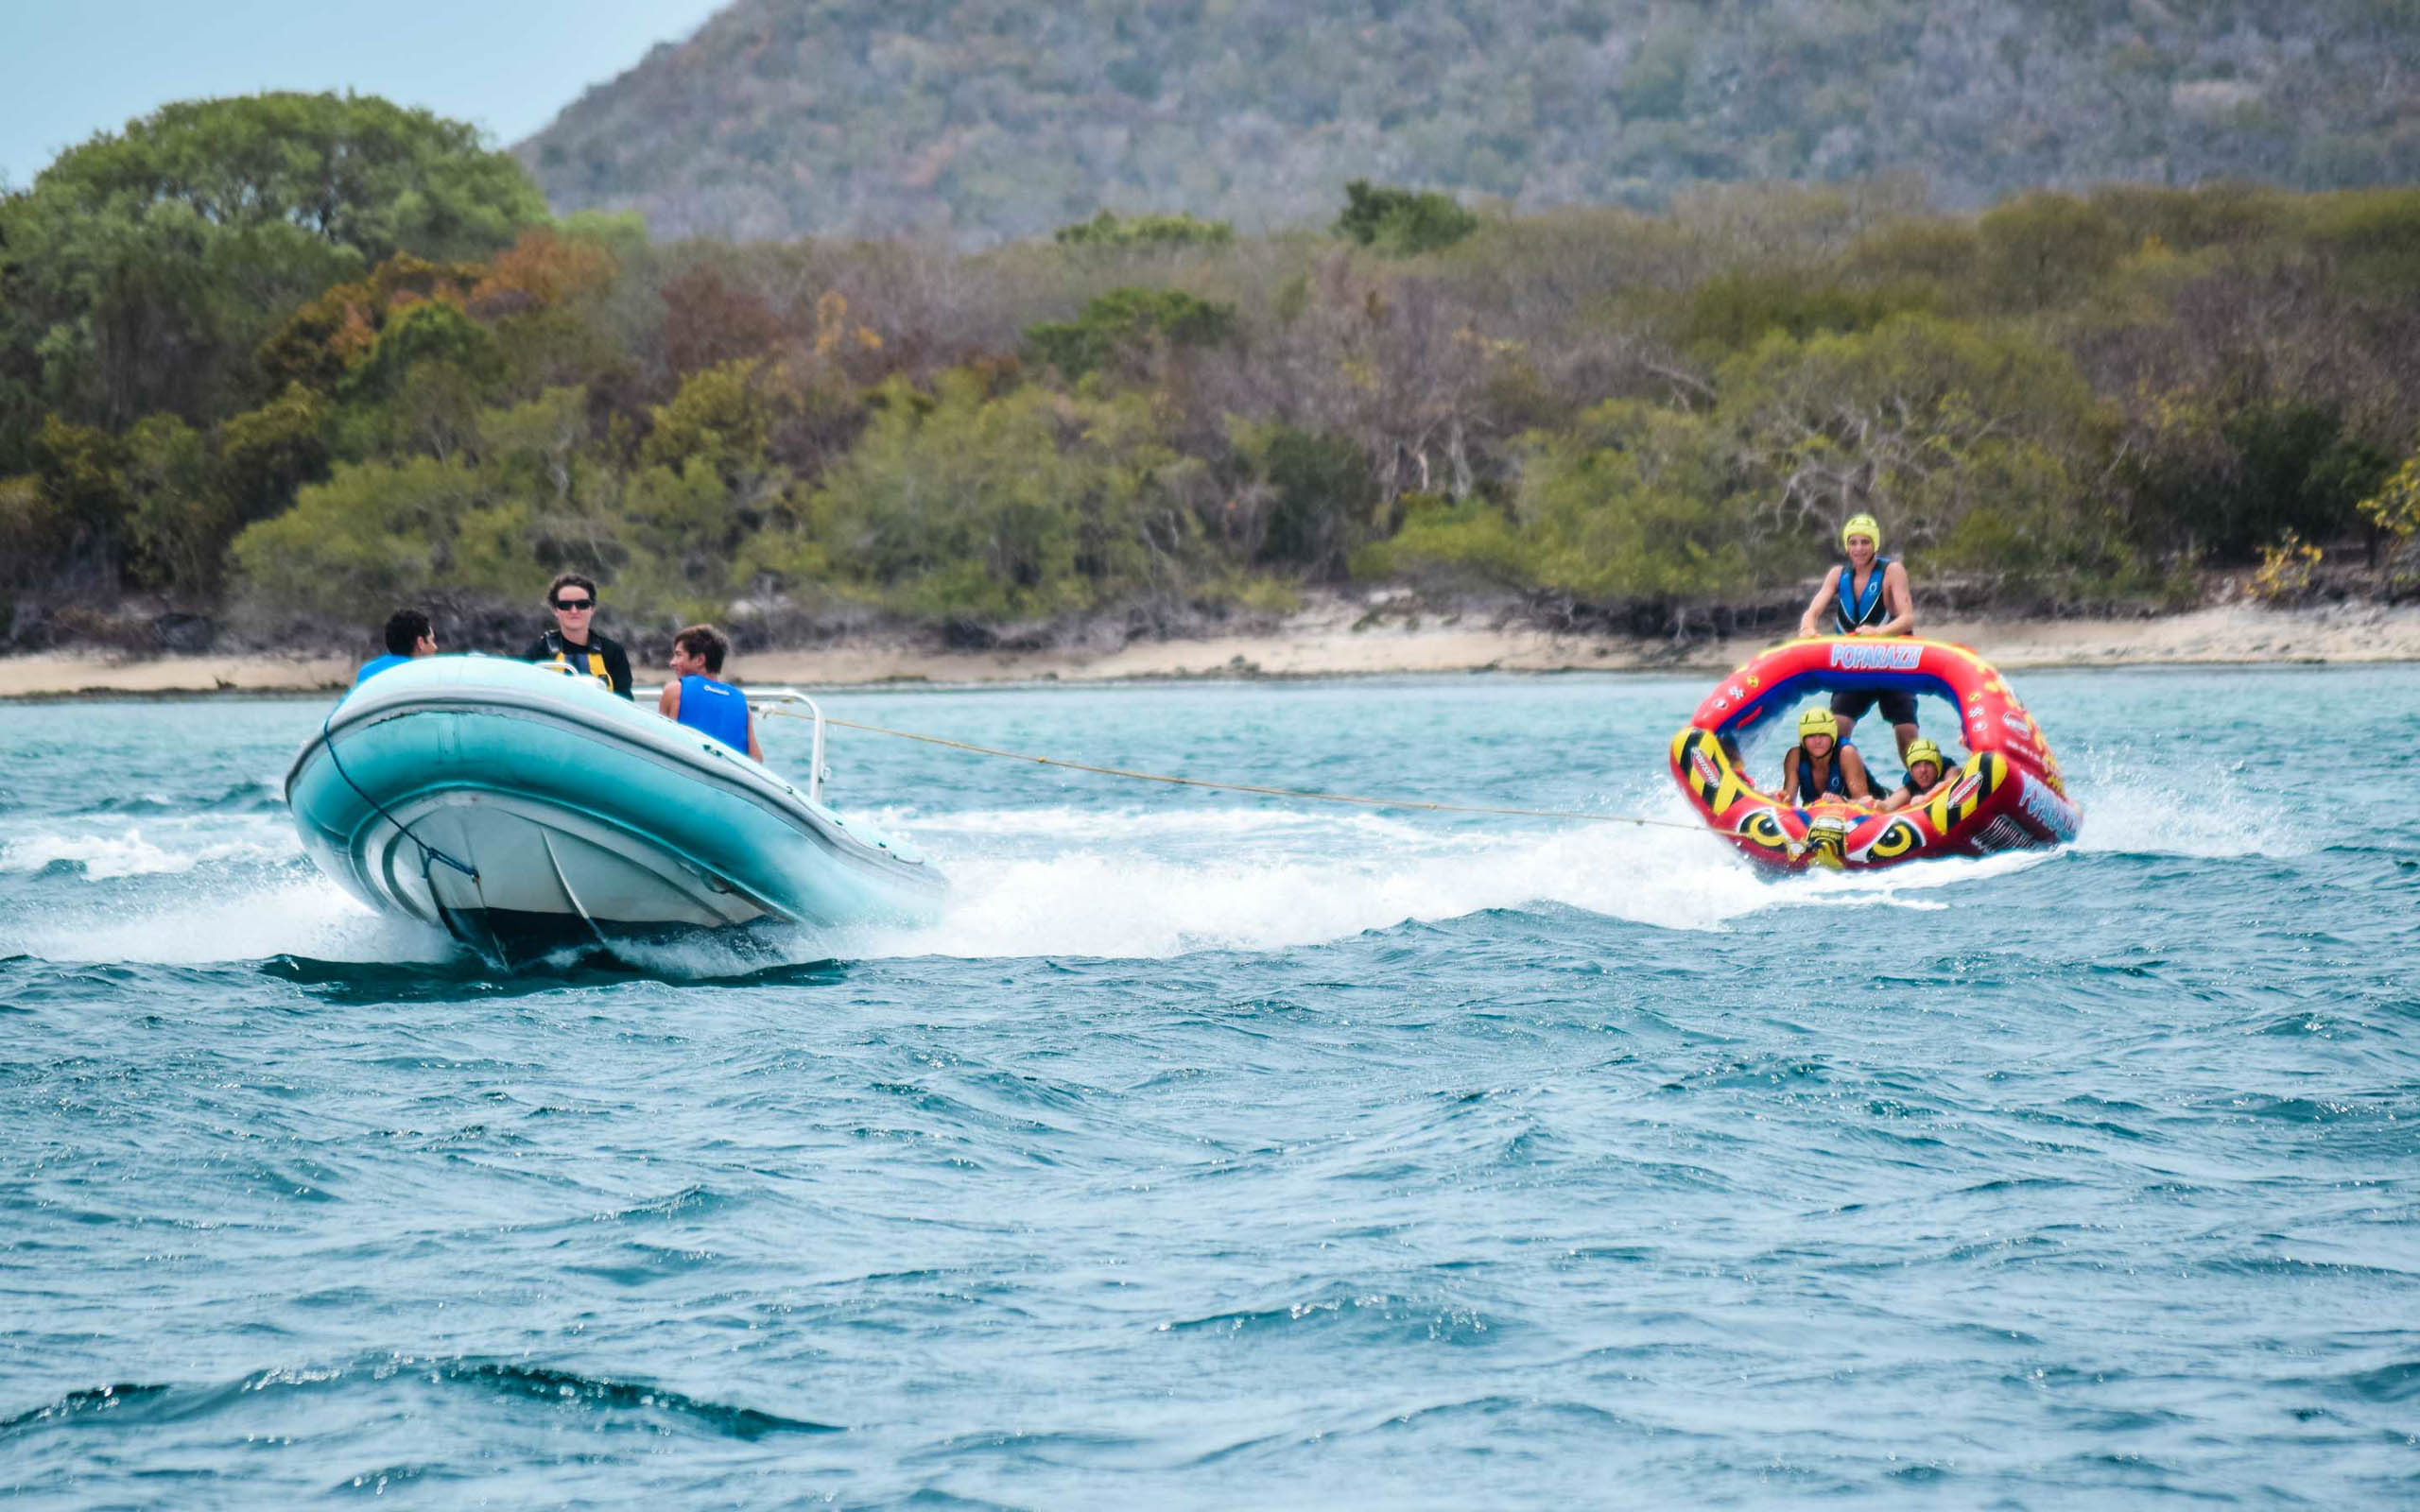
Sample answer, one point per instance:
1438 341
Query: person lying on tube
1927 774
1820 766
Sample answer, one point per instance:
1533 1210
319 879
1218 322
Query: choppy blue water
1215 1152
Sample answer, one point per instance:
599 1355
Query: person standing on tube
1869 595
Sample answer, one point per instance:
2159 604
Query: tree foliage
1029 503
1147 231
1402 222
143 268
2068 398
1124 321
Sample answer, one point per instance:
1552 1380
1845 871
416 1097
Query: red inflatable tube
2007 797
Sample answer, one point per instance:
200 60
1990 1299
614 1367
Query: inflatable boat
2007 796
523 809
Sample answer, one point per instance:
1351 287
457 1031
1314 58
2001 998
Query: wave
1118 884
643 1406
130 854
304 916
1086 899
254 797
2136 802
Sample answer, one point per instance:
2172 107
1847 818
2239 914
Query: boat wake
1314 883
1132 882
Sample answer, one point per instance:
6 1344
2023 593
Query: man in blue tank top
698 702
1867 596
408 635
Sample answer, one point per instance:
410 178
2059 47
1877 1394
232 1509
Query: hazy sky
69 68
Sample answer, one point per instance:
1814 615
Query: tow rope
429 854
1300 795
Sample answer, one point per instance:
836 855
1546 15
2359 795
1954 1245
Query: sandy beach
1322 642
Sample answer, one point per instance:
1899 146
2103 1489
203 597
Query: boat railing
816 772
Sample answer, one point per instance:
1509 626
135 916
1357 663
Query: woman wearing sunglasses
574 642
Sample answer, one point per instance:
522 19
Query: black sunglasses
571 602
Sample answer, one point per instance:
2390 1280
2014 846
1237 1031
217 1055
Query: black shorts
1899 706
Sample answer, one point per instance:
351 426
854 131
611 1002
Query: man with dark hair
574 642
697 700
409 634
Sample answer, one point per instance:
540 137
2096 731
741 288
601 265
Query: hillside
982 120
232 397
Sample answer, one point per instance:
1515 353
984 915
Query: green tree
1637 503
1733 311
423 385
374 534
1317 497
1973 443
1400 222
36 532
179 520
2394 511
1028 503
1111 229
265 455
2040 250
81 468
351 171
1127 320
480 525
722 417
338 328
2226 472
144 268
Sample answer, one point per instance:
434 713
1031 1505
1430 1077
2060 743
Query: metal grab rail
816 770
816 773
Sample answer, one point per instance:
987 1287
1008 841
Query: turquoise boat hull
521 809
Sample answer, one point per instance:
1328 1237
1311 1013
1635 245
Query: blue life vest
384 663
1852 610
715 708
1834 782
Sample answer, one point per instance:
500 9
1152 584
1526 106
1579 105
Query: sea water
1217 1150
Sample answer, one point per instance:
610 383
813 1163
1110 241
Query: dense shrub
1124 321
1400 222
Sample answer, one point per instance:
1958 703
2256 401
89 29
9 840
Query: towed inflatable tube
2009 794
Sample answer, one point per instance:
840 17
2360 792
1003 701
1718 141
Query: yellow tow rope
1301 795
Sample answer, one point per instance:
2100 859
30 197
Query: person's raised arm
1902 600
1823 592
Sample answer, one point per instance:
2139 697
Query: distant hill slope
982 120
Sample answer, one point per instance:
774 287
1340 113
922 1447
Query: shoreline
1325 645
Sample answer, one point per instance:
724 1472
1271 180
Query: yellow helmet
1925 750
1818 721
1861 525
